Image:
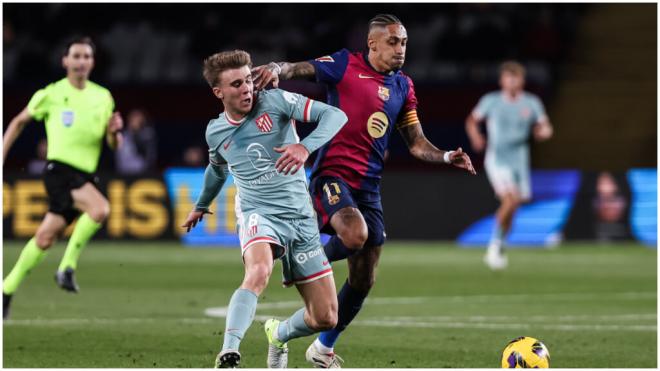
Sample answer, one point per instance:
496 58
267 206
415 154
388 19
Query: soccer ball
525 352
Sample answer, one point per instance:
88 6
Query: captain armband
409 118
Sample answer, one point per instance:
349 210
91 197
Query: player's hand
478 143
461 160
293 158
542 132
116 123
193 218
264 75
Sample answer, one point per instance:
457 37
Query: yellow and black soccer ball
525 352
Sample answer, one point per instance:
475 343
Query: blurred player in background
78 115
255 139
345 185
510 114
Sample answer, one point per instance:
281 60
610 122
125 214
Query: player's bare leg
352 233
49 229
319 314
495 257
95 208
33 253
258 260
320 298
361 278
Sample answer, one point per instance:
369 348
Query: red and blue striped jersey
374 102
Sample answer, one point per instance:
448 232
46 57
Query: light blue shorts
295 241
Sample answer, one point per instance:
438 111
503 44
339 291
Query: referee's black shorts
60 179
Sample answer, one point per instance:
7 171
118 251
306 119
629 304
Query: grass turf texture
434 305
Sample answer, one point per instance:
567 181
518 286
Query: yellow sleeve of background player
38 105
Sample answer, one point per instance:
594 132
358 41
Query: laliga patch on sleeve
67 118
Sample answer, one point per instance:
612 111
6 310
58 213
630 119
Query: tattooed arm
300 70
274 72
422 149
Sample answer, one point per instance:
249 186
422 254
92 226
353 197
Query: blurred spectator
194 156
138 152
36 165
609 206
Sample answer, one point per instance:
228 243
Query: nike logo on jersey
325 262
365 76
227 144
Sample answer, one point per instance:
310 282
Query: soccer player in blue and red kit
345 183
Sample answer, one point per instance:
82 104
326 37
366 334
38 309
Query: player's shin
30 257
350 302
84 230
294 327
240 314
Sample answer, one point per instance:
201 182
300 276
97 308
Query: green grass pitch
434 305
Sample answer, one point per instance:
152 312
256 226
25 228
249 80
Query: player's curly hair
227 60
382 20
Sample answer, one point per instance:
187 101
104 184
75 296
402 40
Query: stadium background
583 60
593 65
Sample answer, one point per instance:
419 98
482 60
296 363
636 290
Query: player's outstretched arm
16 126
113 135
472 129
274 72
214 178
330 120
422 149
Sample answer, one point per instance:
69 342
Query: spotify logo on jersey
377 124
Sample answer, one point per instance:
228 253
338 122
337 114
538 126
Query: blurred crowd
164 43
150 54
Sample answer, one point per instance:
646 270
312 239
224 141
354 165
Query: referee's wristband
447 157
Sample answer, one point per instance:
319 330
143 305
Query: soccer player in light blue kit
255 140
510 114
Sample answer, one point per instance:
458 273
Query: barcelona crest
383 93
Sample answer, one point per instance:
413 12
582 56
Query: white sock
322 348
495 246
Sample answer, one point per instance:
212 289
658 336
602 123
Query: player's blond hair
220 62
513 67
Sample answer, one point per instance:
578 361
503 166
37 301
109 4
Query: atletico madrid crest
383 93
525 113
264 123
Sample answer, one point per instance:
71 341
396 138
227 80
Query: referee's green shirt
76 121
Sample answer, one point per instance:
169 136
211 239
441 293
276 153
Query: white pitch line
452 322
465 298
533 318
99 321
222 311
482 322
504 326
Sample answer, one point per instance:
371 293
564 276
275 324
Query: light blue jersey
272 207
509 122
248 148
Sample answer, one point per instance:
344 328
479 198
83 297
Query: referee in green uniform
78 115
